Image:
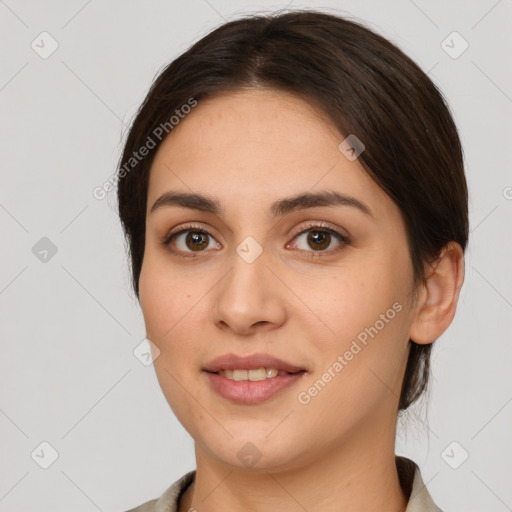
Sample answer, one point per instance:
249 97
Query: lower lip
248 392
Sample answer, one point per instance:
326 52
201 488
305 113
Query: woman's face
267 274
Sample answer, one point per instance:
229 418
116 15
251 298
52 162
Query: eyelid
312 255
185 227
321 225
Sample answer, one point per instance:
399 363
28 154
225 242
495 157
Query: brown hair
365 85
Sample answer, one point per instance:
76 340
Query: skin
336 453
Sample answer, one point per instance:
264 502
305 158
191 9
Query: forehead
262 143
252 122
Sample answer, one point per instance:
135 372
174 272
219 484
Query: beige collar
409 473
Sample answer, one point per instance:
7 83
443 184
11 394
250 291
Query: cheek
173 308
367 311
360 370
164 298
170 312
351 298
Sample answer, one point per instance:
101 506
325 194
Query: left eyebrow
316 199
278 209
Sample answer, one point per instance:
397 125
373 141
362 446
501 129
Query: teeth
252 375
240 375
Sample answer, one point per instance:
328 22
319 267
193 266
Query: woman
293 195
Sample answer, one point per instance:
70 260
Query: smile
254 375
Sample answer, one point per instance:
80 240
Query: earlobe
437 299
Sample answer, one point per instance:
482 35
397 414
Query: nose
250 298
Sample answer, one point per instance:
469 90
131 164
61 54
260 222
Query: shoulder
413 486
168 501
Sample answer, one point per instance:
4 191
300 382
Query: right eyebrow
187 200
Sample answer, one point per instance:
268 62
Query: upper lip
234 362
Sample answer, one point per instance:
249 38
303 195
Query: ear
437 298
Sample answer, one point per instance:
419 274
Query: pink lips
251 392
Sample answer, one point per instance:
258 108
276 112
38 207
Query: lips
252 362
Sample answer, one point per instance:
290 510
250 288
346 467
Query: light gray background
69 325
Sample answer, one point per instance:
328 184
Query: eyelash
311 226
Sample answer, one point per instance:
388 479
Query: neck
358 476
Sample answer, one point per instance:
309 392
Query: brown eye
320 240
189 241
196 240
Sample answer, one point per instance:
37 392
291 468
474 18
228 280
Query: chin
257 452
